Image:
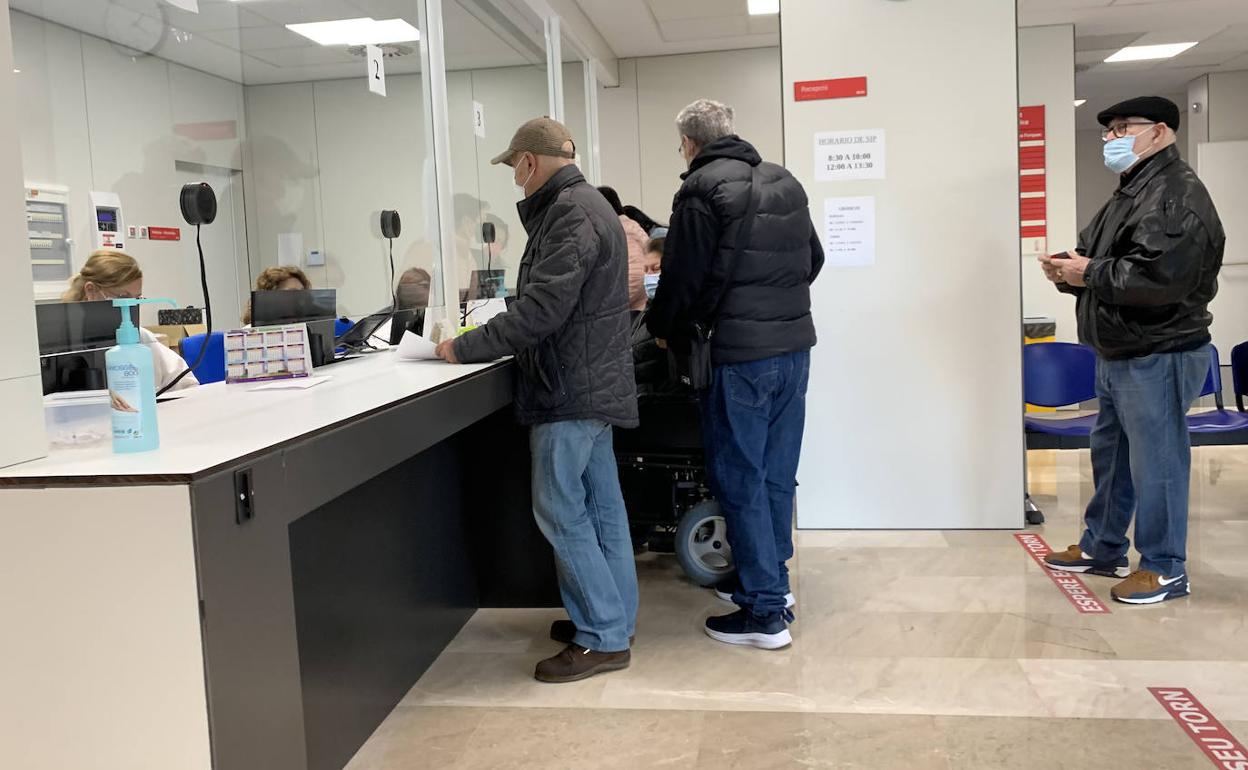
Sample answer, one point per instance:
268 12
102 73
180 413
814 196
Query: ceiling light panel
763 7
362 31
1149 52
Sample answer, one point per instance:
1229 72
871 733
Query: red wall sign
1033 181
164 233
842 88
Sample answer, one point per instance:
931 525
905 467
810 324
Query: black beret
1154 108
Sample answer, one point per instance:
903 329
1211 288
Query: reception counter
262 590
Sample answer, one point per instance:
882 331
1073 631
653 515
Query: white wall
96 119
932 438
1225 119
21 409
637 119
1046 76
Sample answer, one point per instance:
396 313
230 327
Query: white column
915 404
1046 76
21 400
1222 117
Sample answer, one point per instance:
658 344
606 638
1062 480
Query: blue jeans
753 416
1142 458
579 508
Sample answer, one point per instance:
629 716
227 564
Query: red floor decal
1070 584
1207 732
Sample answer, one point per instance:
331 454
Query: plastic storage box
77 419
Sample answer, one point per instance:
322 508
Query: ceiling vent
388 50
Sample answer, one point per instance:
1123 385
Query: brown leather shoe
563 631
576 663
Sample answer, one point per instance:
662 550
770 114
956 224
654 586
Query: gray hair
704 121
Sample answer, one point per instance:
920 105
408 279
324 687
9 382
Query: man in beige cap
569 331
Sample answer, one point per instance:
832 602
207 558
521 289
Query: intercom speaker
199 203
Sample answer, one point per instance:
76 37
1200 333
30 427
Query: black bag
186 316
698 371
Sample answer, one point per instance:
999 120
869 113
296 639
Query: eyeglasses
1119 130
120 295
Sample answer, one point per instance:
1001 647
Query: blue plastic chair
1218 426
1058 374
212 368
342 326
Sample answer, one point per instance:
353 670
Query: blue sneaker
1147 587
742 627
1073 559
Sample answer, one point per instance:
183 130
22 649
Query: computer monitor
73 337
406 320
276 307
359 334
486 284
315 307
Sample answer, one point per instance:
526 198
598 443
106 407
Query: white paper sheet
413 347
297 383
849 231
842 156
290 248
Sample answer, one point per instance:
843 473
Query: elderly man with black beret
1143 275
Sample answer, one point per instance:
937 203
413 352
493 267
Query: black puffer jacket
766 310
569 324
1156 249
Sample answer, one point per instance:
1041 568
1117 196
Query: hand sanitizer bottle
132 385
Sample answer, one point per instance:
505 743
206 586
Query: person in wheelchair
651 366
662 467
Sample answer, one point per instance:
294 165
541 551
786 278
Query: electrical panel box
110 227
47 229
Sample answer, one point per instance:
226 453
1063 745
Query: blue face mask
652 284
1120 154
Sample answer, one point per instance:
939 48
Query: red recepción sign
839 88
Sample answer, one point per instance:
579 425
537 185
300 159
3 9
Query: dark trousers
753 416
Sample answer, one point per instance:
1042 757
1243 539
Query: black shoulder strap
743 240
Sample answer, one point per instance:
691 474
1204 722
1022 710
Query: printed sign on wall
849 231
842 156
1033 181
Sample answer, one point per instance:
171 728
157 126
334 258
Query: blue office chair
342 326
1058 374
1218 426
212 368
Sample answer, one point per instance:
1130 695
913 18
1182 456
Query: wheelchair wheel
702 544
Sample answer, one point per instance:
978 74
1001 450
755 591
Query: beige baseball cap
540 136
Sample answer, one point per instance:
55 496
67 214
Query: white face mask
523 185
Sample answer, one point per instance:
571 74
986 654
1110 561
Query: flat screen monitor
405 320
363 329
72 327
271 308
486 284
73 337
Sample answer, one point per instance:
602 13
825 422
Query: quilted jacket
569 324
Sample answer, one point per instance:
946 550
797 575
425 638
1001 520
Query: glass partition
124 101
496 80
576 102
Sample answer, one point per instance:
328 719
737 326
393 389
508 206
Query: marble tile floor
911 650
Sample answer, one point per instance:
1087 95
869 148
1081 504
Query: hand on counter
446 351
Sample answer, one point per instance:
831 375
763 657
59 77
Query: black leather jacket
1156 249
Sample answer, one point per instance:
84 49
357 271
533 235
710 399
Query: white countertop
217 424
